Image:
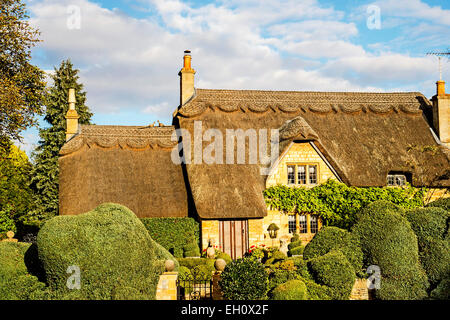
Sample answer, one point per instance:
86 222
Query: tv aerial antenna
440 55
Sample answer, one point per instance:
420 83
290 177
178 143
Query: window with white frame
314 224
292 223
396 180
302 174
291 174
302 223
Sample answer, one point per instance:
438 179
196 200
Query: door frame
244 238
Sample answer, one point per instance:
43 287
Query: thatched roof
363 135
122 164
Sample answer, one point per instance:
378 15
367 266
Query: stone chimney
71 116
441 113
186 79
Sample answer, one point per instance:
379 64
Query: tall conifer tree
46 170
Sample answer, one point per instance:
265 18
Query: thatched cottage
193 167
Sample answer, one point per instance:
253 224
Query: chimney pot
186 79
440 88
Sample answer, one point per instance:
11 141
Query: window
396 180
291 174
292 223
302 224
314 225
312 174
302 174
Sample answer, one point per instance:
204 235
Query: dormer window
302 174
396 180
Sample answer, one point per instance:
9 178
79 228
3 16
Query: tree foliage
336 203
46 170
15 195
21 84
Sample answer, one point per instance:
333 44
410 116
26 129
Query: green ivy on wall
336 203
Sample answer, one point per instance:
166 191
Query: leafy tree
21 84
15 194
46 170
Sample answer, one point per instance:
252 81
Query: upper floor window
302 174
396 180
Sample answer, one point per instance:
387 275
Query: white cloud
132 64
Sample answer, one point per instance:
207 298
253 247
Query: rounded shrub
443 203
224 256
330 238
110 246
290 290
335 271
16 283
388 241
380 206
406 288
442 291
277 277
435 259
296 251
430 222
191 250
317 291
244 279
295 245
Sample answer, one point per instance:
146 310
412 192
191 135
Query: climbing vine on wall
336 203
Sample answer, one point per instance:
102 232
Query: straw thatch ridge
364 136
259 101
122 164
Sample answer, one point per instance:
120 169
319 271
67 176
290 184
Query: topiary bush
388 241
16 283
290 290
277 277
330 238
430 222
407 288
112 249
442 291
336 272
295 246
173 233
435 258
224 256
191 249
443 203
244 279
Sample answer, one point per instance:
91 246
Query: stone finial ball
169 265
10 234
220 264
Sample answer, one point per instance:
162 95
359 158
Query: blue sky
130 51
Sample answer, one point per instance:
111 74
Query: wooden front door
234 237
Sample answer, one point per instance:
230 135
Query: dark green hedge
244 279
435 259
112 248
175 234
334 271
389 242
443 203
290 290
16 283
329 238
430 222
